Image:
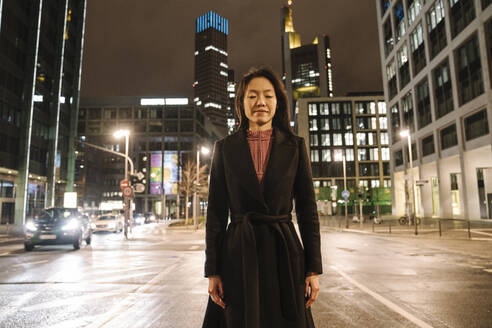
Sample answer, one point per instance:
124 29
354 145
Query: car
109 222
57 226
150 217
139 218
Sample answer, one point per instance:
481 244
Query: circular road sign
345 194
124 183
127 192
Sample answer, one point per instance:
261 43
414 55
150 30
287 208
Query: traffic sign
139 187
127 192
346 194
124 183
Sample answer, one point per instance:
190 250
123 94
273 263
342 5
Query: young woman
259 273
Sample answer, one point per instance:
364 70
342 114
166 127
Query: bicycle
405 221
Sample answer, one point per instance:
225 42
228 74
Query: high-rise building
164 134
211 76
41 46
353 127
307 70
436 61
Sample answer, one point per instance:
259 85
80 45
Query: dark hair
281 119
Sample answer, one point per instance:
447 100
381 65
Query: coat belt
250 266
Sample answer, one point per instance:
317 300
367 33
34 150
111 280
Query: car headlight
30 226
71 225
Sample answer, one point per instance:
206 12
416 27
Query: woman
259 274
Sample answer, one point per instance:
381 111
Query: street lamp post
128 201
196 206
403 134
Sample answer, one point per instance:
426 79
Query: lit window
349 139
326 155
325 139
337 139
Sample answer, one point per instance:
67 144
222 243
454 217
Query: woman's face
260 103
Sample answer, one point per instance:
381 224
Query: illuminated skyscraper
210 85
306 69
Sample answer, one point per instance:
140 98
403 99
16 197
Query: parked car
109 222
58 226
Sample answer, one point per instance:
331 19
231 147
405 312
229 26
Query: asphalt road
155 280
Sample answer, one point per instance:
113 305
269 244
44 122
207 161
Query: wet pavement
156 280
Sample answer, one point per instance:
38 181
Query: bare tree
187 184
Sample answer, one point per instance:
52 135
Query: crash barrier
432 227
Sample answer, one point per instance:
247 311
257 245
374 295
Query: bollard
469 232
440 233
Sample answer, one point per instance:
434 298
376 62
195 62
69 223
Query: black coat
258 255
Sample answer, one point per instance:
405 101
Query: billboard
170 172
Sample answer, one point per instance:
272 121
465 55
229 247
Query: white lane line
5 254
488 270
194 247
383 300
482 233
29 263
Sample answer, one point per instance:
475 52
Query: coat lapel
244 169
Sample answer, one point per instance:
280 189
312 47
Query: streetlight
128 203
339 157
403 134
204 151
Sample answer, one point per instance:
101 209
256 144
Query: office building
41 45
436 64
164 134
354 127
211 68
307 69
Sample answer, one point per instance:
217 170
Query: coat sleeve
217 212
307 212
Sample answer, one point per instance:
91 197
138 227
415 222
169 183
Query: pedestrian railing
434 227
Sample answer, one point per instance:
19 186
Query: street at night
155 279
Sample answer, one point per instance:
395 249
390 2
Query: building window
369 169
418 49
313 139
336 124
389 42
337 139
381 108
125 113
349 139
476 125
362 154
443 90
385 4
314 155
325 125
395 122
94 113
449 137
313 111
325 139
424 116
428 145
347 108
384 138
373 154
399 20
313 125
486 3
383 123
436 28
398 156
365 107
326 155
391 76
414 8
407 106
324 109
462 13
349 155
385 154
488 38
470 84
403 66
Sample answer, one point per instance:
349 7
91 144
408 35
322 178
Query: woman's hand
215 290
312 288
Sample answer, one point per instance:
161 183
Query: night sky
146 47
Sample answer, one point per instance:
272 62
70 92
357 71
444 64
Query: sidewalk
8 235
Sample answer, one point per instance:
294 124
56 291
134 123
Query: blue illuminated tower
210 85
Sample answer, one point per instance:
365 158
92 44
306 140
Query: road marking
5 254
383 300
194 247
482 233
488 270
29 263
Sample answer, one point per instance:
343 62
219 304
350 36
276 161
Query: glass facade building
41 46
443 100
